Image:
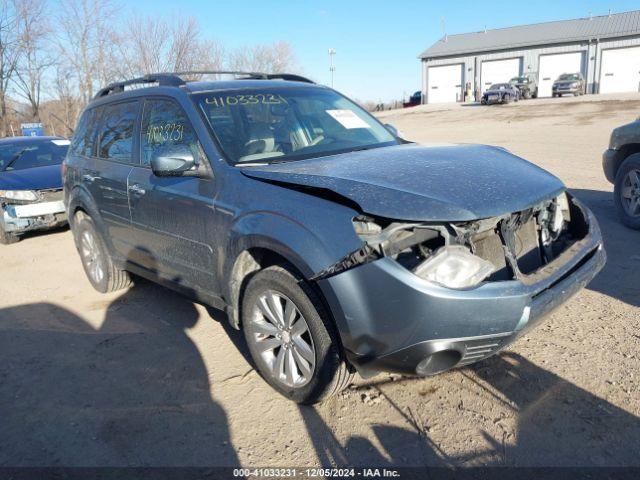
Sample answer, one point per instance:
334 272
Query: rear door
105 174
173 218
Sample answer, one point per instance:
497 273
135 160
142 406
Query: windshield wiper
14 159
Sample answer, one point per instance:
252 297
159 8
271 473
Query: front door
173 217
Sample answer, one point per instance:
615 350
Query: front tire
291 337
98 265
627 192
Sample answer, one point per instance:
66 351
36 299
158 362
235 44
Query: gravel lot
145 377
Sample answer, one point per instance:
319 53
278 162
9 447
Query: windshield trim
193 96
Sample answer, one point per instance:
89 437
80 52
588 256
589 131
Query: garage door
620 70
445 84
552 66
499 71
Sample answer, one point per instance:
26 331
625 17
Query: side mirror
173 160
392 129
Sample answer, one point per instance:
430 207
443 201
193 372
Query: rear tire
627 192
98 265
292 339
7 238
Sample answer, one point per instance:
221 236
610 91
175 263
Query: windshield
569 76
23 155
499 86
284 124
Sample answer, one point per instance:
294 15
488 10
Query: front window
284 124
20 156
499 86
570 77
165 126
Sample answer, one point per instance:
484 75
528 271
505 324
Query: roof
563 31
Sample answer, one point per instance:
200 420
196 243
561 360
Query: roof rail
173 79
249 75
162 79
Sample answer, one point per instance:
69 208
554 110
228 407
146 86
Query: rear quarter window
84 135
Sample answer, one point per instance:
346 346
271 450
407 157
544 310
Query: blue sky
377 42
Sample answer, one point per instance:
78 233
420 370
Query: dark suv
333 244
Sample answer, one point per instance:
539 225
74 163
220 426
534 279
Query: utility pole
332 68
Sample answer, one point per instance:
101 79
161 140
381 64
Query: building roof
563 31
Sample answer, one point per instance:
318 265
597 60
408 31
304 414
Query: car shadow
132 392
619 278
557 424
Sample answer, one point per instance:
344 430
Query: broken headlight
20 195
454 266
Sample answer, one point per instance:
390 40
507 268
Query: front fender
303 247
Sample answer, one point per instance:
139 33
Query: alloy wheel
630 194
281 336
91 256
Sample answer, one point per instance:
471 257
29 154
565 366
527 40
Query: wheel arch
81 201
626 151
253 255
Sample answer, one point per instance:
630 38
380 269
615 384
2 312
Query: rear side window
84 134
115 132
165 124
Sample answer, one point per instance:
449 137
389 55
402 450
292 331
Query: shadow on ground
619 278
133 392
558 424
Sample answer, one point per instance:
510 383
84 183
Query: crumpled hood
37 178
421 183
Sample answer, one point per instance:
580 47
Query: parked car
572 83
415 99
333 244
527 85
621 164
30 185
500 93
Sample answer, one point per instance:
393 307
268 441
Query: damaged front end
516 246
27 210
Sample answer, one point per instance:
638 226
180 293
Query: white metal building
605 49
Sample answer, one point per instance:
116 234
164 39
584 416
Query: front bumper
493 100
562 91
19 219
391 320
610 163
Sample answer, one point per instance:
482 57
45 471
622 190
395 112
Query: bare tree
9 55
86 43
155 45
68 103
275 58
35 59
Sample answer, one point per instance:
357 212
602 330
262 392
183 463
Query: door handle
137 190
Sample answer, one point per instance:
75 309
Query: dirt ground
145 377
